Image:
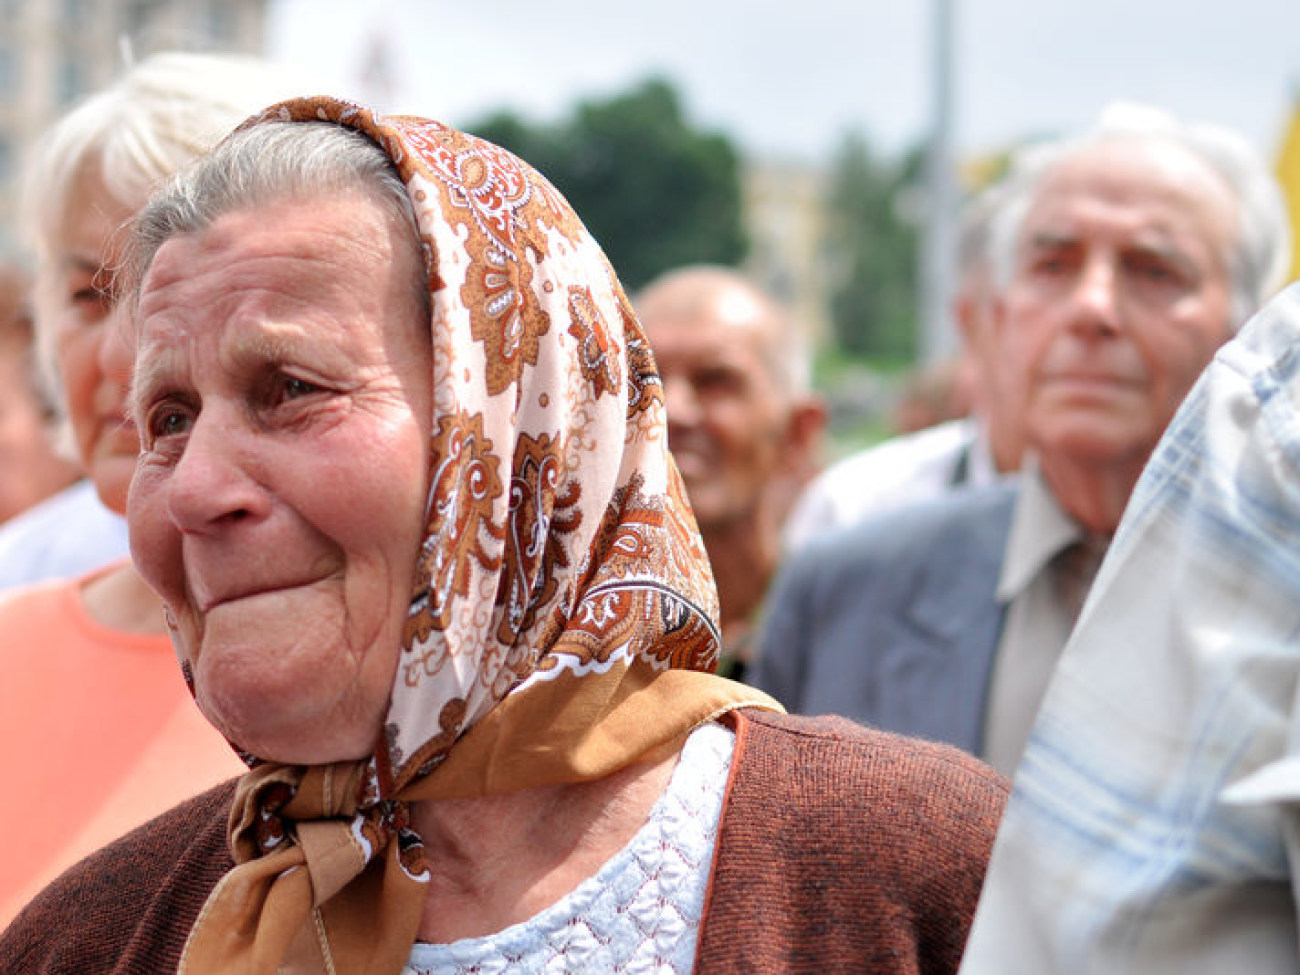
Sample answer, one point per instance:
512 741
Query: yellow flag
1288 174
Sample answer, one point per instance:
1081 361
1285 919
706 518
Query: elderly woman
94 719
405 492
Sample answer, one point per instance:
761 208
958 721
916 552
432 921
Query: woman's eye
294 387
92 289
169 423
92 299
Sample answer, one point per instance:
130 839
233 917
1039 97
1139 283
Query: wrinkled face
283 397
1119 297
726 421
72 300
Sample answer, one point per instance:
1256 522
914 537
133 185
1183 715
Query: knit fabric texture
640 912
857 851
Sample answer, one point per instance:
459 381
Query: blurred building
785 217
52 52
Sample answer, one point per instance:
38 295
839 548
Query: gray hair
161 114
974 228
789 357
975 238
1260 255
264 164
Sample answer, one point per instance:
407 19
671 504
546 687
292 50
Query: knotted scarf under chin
316 851
330 878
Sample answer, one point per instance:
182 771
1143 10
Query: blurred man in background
1123 259
742 425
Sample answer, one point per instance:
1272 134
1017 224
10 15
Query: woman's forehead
348 241
300 273
91 223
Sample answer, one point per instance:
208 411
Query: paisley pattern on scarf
599 366
627 610
506 210
465 487
563 623
645 393
546 519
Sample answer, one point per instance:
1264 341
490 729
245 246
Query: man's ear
805 430
965 313
976 313
799 460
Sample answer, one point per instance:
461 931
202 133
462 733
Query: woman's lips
244 576
212 601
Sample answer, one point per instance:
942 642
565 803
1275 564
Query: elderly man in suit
1124 257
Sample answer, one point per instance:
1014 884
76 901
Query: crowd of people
480 616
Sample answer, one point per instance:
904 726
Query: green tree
872 239
654 190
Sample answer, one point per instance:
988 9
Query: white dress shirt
914 467
1038 621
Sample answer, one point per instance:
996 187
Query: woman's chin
289 724
274 672
308 741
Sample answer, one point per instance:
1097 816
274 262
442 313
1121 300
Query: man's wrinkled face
1119 296
726 417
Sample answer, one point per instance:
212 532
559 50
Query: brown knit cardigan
841 849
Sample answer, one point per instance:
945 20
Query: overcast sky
789 78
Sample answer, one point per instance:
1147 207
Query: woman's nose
214 484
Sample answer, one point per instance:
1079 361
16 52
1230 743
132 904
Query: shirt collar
1040 529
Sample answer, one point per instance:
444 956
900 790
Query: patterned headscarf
564 620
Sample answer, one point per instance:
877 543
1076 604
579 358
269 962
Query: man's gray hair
1260 255
975 228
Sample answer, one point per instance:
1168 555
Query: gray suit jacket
895 622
